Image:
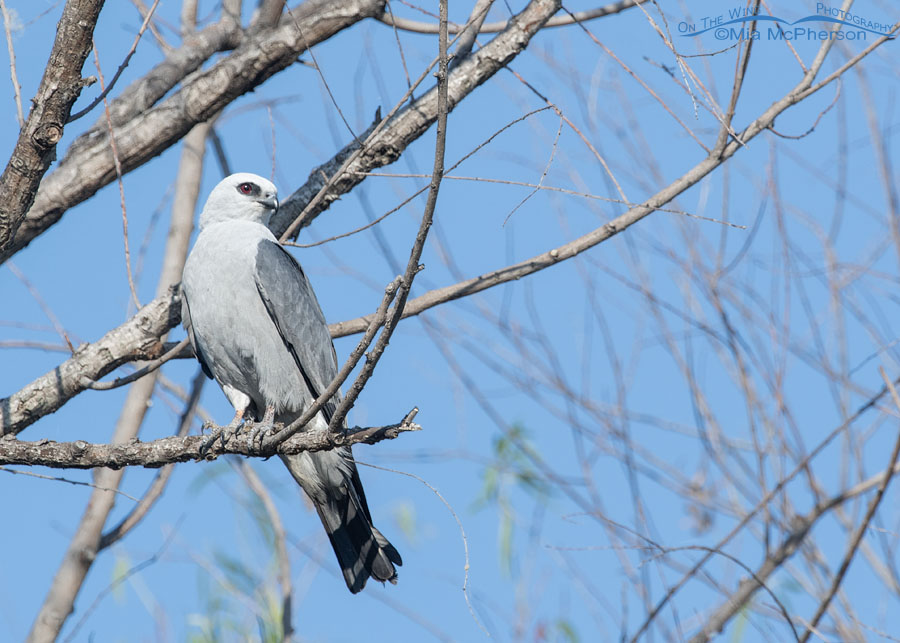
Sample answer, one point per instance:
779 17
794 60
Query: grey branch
138 338
86 541
51 105
411 122
495 27
143 93
90 165
83 455
131 341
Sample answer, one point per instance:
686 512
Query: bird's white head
242 196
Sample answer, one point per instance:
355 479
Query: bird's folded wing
293 307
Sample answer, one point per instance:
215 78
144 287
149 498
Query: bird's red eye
245 188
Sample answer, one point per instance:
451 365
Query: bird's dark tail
337 494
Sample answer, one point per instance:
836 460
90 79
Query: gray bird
257 328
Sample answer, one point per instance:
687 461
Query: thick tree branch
158 453
135 340
143 93
155 490
48 393
51 105
90 165
138 338
122 66
86 540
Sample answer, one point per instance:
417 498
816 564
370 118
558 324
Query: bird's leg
223 432
260 429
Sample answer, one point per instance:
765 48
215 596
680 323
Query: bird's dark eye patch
248 188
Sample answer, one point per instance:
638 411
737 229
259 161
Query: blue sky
811 273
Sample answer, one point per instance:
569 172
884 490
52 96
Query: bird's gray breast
240 342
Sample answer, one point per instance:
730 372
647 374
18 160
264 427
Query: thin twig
412 266
387 5
540 182
760 506
156 488
161 42
124 577
325 396
496 27
536 186
35 293
300 220
837 94
283 560
861 529
77 483
119 173
462 534
318 69
148 368
17 88
274 144
105 90
420 191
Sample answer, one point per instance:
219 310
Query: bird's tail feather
361 549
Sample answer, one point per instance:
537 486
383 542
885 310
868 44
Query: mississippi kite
257 328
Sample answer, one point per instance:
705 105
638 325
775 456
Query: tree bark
59 89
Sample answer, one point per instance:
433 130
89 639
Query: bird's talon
260 432
211 440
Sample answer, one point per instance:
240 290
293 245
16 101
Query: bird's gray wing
329 478
186 322
293 307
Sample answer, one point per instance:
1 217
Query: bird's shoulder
229 242
235 233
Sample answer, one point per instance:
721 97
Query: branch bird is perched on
257 328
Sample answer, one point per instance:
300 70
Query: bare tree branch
776 558
138 338
411 122
17 88
89 165
269 13
112 83
16 412
86 542
803 89
156 488
860 531
496 27
472 28
412 266
283 561
83 455
128 342
59 88
143 93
